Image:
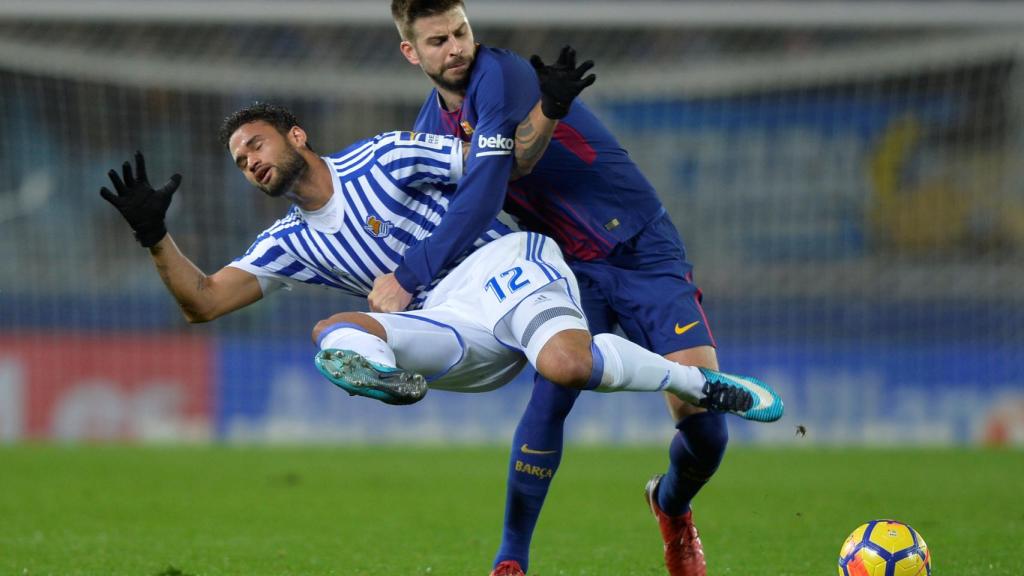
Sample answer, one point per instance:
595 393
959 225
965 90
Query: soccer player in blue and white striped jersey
388 193
510 300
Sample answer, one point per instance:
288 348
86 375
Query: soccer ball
884 548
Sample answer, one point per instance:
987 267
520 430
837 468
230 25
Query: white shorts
489 317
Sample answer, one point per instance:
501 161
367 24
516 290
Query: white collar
327 218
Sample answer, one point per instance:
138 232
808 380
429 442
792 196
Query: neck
314 188
452 100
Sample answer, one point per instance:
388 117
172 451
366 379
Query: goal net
847 178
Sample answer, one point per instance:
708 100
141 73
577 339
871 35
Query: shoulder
270 239
288 223
500 57
503 81
352 158
494 63
385 138
354 148
404 143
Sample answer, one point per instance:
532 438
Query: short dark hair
277 116
407 12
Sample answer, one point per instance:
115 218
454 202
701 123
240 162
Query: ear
297 136
409 51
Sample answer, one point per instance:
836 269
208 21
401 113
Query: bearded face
269 160
454 74
443 46
288 168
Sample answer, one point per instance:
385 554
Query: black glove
561 82
143 207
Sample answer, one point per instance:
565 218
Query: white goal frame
648 13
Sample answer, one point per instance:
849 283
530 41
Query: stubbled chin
270 189
457 78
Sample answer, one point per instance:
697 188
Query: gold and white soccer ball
884 548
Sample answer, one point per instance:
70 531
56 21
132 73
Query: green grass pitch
399 511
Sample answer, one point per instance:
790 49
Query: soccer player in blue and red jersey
585 192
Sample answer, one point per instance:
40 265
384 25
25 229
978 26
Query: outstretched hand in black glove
561 82
142 206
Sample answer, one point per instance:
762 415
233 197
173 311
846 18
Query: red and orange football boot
684 554
508 568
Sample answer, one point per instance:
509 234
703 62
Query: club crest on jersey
376 227
467 128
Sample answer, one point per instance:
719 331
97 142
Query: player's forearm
186 282
472 210
533 135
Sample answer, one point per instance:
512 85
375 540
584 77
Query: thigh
600 317
657 308
537 319
450 349
493 282
648 288
657 302
663 313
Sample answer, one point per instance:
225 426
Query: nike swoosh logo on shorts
525 449
682 329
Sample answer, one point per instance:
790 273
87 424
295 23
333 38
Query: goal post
846 176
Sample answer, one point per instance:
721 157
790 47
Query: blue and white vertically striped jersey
390 192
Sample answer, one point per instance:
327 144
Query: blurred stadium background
848 178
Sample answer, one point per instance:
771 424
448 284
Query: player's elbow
522 168
192 318
199 316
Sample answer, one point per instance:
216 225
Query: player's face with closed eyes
443 47
269 160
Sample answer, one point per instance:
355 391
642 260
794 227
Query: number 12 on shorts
510 278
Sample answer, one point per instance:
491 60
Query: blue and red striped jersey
586 192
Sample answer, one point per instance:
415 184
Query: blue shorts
646 287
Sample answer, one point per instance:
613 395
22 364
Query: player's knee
567 370
327 323
566 361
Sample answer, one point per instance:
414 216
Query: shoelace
507 569
724 398
689 536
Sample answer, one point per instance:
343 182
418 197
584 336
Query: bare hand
388 295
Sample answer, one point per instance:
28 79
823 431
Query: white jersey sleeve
273 259
267 272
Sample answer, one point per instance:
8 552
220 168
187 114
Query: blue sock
536 453
696 451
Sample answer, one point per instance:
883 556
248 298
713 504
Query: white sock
344 337
628 367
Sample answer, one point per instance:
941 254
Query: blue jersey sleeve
502 95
